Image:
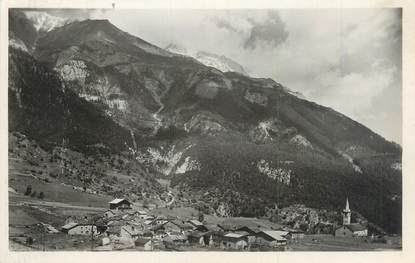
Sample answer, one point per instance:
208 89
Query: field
332 243
56 192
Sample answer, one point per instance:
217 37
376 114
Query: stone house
79 229
351 230
272 238
131 231
235 240
146 243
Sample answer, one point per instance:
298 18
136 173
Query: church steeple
347 213
347 209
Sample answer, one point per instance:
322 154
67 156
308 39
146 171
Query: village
125 226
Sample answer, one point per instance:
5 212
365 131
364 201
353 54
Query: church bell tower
346 213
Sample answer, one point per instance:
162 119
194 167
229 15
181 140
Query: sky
346 59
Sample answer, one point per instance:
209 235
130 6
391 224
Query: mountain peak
219 62
45 22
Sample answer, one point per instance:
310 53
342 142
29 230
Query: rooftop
70 225
117 200
356 227
238 234
196 222
275 234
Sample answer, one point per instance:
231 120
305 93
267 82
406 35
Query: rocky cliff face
239 137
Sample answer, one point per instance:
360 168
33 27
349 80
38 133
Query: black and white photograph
199 130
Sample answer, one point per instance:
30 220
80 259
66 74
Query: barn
120 203
272 238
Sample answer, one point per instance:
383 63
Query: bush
28 190
41 195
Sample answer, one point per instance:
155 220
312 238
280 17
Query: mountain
221 63
239 144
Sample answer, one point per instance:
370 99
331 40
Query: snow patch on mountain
43 21
296 93
221 63
177 49
188 165
279 174
301 140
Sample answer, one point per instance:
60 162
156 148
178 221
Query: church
348 229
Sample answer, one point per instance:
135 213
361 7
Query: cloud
349 60
224 24
271 31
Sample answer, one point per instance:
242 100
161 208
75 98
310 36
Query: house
131 231
197 225
177 238
170 226
120 203
79 229
112 213
235 240
161 219
145 243
183 225
142 215
114 228
351 230
214 229
201 238
272 238
295 234
146 217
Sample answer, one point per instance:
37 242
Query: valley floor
25 214
35 223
